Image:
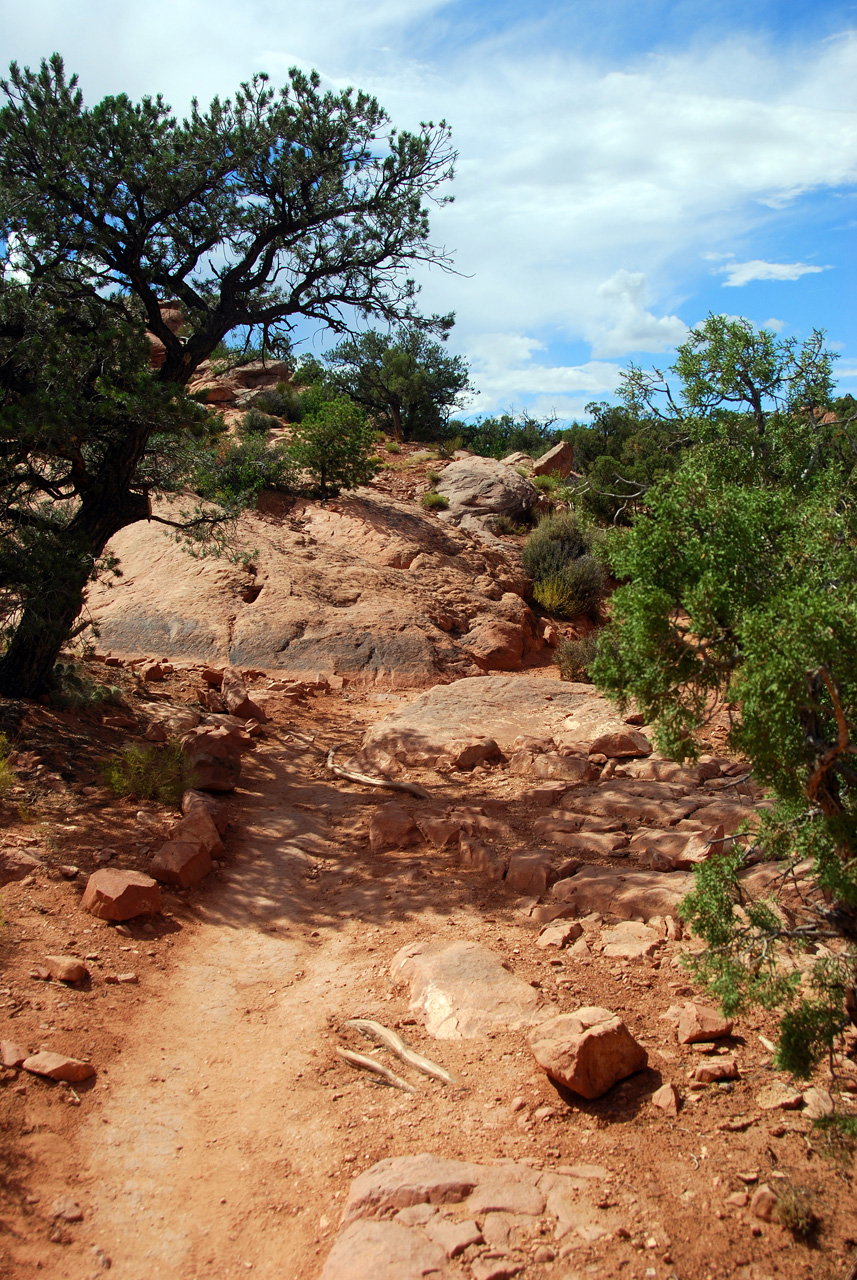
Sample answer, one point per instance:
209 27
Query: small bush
283 401
574 656
795 1211
434 501
577 589
432 477
394 447
7 773
556 540
333 444
547 484
838 1135
236 472
150 773
509 527
257 423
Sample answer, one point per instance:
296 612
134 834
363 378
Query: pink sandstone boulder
238 702
699 1023
121 895
391 827
182 863
587 1051
214 757
558 461
620 746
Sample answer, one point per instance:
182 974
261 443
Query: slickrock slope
364 587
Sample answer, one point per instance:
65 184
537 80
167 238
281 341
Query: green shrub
334 445
554 596
236 471
795 1210
432 477
73 688
547 484
283 401
255 422
160 773
576 589
7 773
574 656
394 447
556 540
434 501
506 525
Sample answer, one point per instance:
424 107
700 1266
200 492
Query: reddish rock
627 894
603 843
181 862
475 855
558 461
66 968
667 1099
629 940
620 746
453 1237
465 753
212 676
66 1208
715 1070
778 1096
152 672
198 827
699 848
12 1054
530 871
559 934
121 895
384 1251
509 1190
699 1023
15 865
400 1181
439 831
196 801
391 827
763 1203
496 645
214 757
56 1066
587 1051
238 702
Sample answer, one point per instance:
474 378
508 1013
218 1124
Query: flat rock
530 871
461 990
587 1051
699 1023
627 894
385 1251
623 744
500 707
778 1096
15 865
511 1190
401 1181
630 940
182 863
391 827
111 894
819 1103
453 1237
56 1066
12 1054
715 1070
559 934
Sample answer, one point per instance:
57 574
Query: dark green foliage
500 436
282 401
795 1210
255 422
578 588
555 541
740 590
619 456
160 773
235 472
573 657
510 528
266 208
404 380
333 444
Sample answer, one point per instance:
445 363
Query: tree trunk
57 594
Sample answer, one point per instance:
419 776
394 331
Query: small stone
763 1203
698 1023
518 1104
738 1199
12 1054
68 871
559 934
587 1051
667 1098
495 1268
544 1253
129 978
779 1097
716 1070
391 827
819 1103
58 1067
121 895
67 1209
182 863
66 968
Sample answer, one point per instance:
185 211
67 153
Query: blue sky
624 167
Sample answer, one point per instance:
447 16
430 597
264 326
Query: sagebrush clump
573 657
568 580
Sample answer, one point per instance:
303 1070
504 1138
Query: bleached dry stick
369 1064
383 1035
412 788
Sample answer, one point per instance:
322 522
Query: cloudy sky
625 166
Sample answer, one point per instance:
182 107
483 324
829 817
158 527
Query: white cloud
507 376
738 273
775 326
627 325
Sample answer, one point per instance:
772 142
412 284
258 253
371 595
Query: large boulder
587 1051
484 486
214 758
558 461
111 894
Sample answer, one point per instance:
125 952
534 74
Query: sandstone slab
56 1066
485 486
15 865
121 895
461 990
587 1051
630 940
621 745
391 827
201 801
214 757
630 895
182 863
12 1054
401 1181
558 461
699 1023
385 1251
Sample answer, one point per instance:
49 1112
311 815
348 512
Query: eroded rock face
587 1051
365 587
461 990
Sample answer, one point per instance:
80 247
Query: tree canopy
272 206
739 592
